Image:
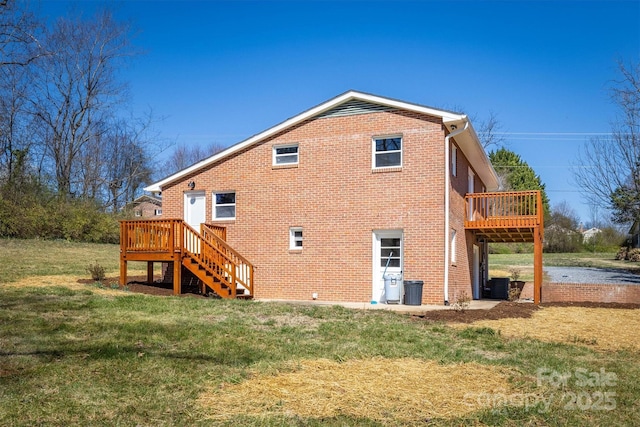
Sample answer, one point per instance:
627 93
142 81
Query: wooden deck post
177 276
177 244
149 272
537 266
123 259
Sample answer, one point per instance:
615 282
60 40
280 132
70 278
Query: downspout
447 205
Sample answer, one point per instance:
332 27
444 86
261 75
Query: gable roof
146 198
353 102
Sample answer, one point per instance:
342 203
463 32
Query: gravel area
591 275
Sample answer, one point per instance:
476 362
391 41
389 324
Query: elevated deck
205 254
509 217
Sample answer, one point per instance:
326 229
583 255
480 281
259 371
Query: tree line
68 146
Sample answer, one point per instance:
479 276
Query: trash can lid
413 282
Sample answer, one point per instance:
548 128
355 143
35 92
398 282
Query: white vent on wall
353 107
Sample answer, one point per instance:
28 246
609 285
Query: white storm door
195 209
387 246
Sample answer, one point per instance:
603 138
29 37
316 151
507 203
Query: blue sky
221 71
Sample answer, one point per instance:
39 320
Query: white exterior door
387 247
195 209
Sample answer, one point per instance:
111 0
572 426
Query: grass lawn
26 258
73 354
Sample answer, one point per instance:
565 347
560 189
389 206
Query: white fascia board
447 116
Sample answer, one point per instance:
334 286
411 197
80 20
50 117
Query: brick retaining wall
585 292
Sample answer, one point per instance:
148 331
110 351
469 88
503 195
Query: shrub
96 271
462 302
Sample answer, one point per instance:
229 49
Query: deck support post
149 272
177 275
123 260
123 270
537 266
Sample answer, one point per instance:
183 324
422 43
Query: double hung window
224 205
387 152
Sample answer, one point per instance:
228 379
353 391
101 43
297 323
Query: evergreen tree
516 175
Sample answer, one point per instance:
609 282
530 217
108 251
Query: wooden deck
509 217
205 254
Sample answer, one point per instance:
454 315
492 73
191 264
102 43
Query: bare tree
184 156
608 169
489 132
77 91
19 48
19 35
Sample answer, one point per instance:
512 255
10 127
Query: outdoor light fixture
191 185
454 127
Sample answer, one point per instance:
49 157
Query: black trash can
413 292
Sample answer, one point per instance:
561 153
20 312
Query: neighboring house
145 206
589 234
322 202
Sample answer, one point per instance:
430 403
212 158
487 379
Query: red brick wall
577 292
338 200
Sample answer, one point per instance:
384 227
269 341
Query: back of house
328 202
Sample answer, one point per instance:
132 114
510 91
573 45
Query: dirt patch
509 310
391 391
137 284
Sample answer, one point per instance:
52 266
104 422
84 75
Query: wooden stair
218 267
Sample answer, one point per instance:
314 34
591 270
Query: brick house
145 206
323 201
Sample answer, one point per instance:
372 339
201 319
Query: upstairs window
285 155
295 238
224 205
387 152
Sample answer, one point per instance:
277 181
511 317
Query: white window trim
293 239
454 160
215 212
275 155
374 152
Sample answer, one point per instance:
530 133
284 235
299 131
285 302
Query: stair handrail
243 267
218 259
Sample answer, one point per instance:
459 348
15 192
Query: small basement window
387 152
224 205
285 155
295 238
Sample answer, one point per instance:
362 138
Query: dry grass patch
70 282
387 390
602 328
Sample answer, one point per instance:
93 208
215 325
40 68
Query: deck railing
150 235
243 271
506 209
206 229
174 236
